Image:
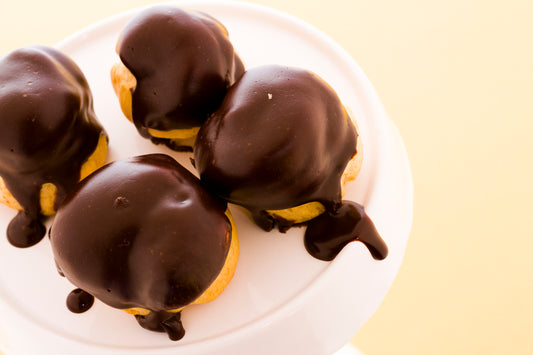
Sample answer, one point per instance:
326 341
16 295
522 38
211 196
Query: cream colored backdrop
457 79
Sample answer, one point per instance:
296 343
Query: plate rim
299 300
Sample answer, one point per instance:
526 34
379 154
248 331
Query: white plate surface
281 300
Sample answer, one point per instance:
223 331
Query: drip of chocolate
25 230
183 62
328 233
79 301
49 129
162 321
142 232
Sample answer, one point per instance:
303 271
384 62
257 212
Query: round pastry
281 145
50 137
143 235
176 66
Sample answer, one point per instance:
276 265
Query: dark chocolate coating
141 232
280 139
163 321
48 130
183 62
328 233
79 301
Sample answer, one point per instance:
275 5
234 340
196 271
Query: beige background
457 79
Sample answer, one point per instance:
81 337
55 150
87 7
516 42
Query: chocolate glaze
162 321
142 232
79 301
49 129
183 62
328 233
282 138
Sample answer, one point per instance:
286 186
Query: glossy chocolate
328 233
48 130
183 62
280 139
79 301
142 232
162 321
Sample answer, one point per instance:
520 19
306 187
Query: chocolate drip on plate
79 301
328 233
162 321
25 230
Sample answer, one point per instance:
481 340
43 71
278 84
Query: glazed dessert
50 137
143 235
176 66
282 145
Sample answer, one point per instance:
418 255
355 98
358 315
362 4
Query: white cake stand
281 300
